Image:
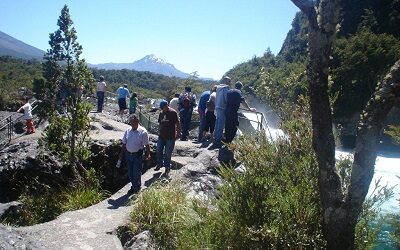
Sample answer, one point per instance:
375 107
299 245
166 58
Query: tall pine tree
66 75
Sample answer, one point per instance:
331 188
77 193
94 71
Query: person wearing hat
123 93
169 131
234 98
135 139
101 89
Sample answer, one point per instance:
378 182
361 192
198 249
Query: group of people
136 138
123 94
218 110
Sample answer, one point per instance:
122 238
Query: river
387 169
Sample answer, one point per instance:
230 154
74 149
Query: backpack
186 100
210 105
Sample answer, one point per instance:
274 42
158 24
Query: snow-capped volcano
148 63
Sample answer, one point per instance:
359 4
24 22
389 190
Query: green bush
84 194
42 203
166 211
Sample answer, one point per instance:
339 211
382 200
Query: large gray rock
10 239
142 241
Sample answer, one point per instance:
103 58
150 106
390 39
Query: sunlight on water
255 118
387 165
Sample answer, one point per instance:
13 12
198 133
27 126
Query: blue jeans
100 101
135 162
201 126
185 117
164 152
219 124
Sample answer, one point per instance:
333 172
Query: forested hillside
14 74
17 73
367 45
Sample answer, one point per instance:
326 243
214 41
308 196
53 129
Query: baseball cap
163 103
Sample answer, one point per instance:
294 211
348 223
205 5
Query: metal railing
262 124
8 124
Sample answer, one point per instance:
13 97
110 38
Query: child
133 103
30 128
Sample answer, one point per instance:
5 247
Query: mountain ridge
10 46
149 63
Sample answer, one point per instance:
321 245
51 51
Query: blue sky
207 36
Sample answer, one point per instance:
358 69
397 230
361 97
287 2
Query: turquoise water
387 168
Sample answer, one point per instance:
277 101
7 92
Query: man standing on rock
134 140
186 103
170 130
123 93
101 89
201 109
234 98
220 106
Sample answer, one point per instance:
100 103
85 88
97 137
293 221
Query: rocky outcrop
95 227
20 163
11 239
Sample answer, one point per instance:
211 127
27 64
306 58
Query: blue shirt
123 93
203 100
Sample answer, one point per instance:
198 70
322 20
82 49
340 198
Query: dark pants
185 118
231 126
100 101
135 162
210 122
202 117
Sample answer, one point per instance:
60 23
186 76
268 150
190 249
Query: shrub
42 203
165 211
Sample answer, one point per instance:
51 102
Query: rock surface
96 227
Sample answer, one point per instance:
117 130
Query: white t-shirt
27 111
101 86
135 140
174 104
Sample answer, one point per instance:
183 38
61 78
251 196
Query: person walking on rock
135 139
220 106
101 90
186 103
123 93
170 130
233 100
201 109
27 108
133 102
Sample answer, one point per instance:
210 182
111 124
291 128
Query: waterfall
387 165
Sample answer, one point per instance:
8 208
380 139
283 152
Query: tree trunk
341 214
72 156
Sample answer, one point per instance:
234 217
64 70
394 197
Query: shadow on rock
119 202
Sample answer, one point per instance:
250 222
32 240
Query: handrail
9 123
259 123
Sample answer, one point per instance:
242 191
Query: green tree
66 75
341 209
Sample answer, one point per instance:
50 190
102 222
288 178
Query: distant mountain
149 63
9 46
